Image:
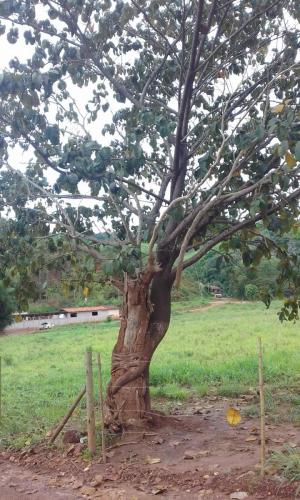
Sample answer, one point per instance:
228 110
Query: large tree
176 121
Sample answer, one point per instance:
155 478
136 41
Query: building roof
88 309
36 315
214 287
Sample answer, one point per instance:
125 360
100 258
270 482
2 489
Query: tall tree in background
6 307
179 120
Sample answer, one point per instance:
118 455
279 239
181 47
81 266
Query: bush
251 292
6 307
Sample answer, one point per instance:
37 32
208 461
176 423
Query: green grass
185 305
285 463
209 351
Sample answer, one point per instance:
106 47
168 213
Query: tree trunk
144 321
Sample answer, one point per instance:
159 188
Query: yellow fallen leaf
233 416
278 108
159 490
290 160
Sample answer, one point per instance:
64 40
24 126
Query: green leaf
247 258
52 134
284 146
255 207
30 100
297 151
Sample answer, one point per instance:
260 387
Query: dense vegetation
6 306
249 282
53 276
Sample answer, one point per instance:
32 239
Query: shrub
251 292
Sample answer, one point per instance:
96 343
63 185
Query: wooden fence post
262 408
91 428
100 387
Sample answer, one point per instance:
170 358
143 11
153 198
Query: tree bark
144 321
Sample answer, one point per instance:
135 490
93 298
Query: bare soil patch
17 331
216 303
194 453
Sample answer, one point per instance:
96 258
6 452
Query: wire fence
32 412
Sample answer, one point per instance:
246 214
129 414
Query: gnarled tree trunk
144 321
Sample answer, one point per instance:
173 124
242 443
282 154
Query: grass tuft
171 391
286 463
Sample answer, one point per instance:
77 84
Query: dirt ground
193 452
217 303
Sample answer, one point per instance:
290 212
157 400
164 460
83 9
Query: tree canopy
206 109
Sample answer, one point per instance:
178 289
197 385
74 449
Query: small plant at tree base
200 149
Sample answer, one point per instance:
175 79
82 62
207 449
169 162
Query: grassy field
213 350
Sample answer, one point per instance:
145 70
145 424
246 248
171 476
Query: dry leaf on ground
158 490
154 460
233 416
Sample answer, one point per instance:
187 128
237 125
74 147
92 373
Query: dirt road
18 483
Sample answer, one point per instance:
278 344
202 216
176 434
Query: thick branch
226 233
179 155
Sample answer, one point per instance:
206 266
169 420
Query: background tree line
41 272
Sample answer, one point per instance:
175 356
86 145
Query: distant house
215 290
89 313
65 316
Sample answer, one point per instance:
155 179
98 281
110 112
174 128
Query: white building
65 316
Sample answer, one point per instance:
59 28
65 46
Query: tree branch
223 235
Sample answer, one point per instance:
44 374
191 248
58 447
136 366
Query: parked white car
46 325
